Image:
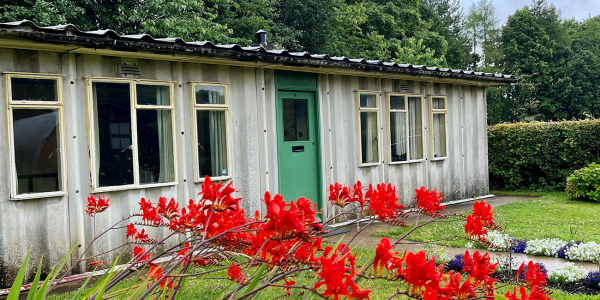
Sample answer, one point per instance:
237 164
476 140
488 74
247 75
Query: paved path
366 240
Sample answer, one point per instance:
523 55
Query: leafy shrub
547 247
589 251
568 273
592 279
540 156
585 183
518 246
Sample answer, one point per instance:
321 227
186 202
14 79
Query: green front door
297 145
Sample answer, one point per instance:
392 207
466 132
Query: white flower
584 252
499 240
547 247
568 273
469 245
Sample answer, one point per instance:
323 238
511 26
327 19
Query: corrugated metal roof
70 33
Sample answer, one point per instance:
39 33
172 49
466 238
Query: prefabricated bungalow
132 116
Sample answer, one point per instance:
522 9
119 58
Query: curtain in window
165 141
369 137
218 135
415 128
398 136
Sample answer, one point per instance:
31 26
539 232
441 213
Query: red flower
419 273
96 206
358 195
168 211
383 256
289 284
480 268
454 289
235 273
483 213
156 275
142 236
339 195
384 202
474 229
428 202
533 276
339 278
186 249
131 231
536 293
217 197
96 263
432 294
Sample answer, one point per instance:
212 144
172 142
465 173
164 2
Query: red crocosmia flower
428 202
474 229
339 195
359 196
96 206
217 197
533 275
235 273
156 275
383 256
536 293
384 202
419 273
337 277
483 213
454 289
170 210
186 249
479 267
289 284
142 236
432 294
131 231
96 263
359 294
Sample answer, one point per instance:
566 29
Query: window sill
130 187
38 196
439 158
369 165
215 178
406 162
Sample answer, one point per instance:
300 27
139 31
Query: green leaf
499 297
296 292
80 289
36 281
256 279
15 290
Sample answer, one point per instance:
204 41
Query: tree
483 29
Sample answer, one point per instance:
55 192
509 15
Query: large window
131 124
35 135
367 104
405 127
439 130
211 115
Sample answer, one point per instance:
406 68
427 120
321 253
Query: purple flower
456 264
592 279
518 246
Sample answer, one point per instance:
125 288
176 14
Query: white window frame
220 107
359 109
134 138
58 105
389 110
431 113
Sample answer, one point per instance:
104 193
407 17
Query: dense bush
585 183
540 156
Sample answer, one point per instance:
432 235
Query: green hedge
540 156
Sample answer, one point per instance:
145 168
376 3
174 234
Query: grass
203 289
553 215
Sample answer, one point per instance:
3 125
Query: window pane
210 94
155 146
295 120
368 100
397 102
415 128
398 139
212 143
153 94
37 150
112 119
29 89
369 137
438 103
439 135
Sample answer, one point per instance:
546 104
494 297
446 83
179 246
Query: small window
35 138
132 133
439 130
368 127
211 115
405 127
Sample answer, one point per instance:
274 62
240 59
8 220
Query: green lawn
381 289
553 215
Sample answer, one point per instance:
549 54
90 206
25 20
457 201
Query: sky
580 9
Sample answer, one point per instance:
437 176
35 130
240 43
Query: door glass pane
112 133
37 150
398 139
212 143
155 146
153 94
439 135
30 89
397 103
438 103
206 94
369 137
368 100
295 120
415 127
